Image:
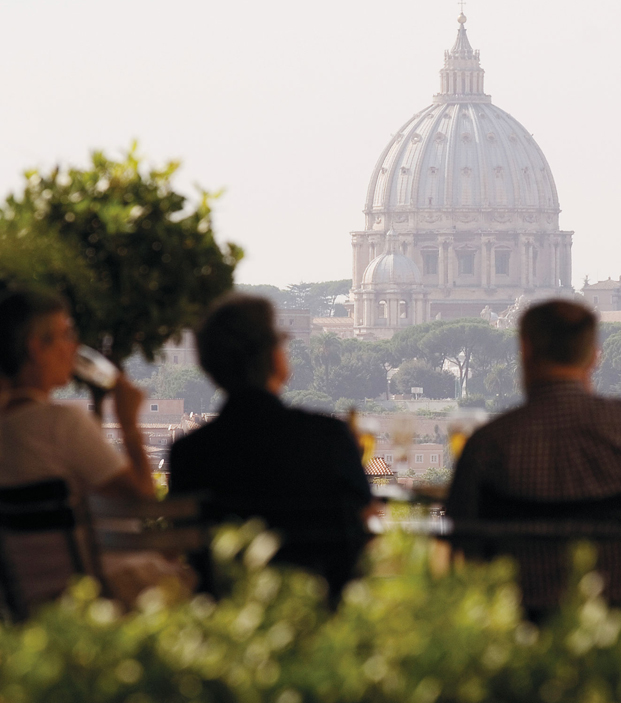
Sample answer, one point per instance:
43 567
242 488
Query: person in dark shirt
299 471
558 457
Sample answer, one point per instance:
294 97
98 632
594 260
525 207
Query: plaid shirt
562 447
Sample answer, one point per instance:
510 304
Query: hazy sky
287 105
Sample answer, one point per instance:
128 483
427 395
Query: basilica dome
461 213
462 151
391 268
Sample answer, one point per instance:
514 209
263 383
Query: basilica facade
461 213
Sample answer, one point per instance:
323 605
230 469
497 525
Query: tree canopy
319 298
136 262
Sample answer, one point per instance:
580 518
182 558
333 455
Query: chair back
39 550
326 540
171 526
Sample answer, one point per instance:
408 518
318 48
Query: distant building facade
604 296
296 322
182 353
461 213
342 327
152 410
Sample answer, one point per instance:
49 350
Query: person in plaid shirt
557 457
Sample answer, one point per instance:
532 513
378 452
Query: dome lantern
461 78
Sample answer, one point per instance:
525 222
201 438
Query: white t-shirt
39 440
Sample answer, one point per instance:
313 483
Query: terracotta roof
377 467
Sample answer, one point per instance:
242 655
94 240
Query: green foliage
436 476
301 367
406 343
476 349
136 263
607 377
501 383
280 298
138 368
319 298
420 374
187 382
472 401
344 405
325 354
404 632
458 341
309 399
347 368
359 375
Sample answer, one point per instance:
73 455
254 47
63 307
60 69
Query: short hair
21 311
560 332
236 342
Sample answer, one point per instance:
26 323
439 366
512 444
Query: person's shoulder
67 413
503 424
194 437
605 401
603 408
315 419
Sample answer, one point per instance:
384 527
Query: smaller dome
391 268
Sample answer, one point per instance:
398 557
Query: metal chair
169 526
39 549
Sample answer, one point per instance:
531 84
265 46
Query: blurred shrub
402 633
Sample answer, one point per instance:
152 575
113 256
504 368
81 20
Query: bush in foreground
401 634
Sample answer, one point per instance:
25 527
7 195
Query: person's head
239 345
38 341
559 341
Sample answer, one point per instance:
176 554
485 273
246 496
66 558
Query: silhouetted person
556 457
297 470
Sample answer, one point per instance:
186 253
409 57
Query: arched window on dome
382 310
403 310
404 248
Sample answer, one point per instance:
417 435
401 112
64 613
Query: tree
280 298
138 368
311 399
325 354
406 343
299 295
358 375
500 382
302 375
187 382
323 296
457 342
608 375
414 373
137 265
